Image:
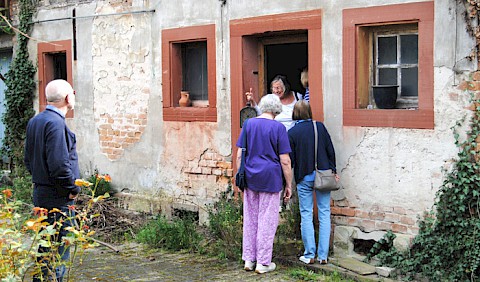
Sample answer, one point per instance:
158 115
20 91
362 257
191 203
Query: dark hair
283 79
302 110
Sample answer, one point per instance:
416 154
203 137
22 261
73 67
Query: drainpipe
97 15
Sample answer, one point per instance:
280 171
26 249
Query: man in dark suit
51 158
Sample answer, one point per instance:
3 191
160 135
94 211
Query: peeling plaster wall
390 175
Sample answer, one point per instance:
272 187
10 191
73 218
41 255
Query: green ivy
447 247
20 91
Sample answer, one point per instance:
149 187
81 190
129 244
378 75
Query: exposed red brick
377 215
399 228
399 210
229 172
105 126
347 211
407 220
382 225
463 85
361 214
476 76
367 225
224 164
353 221
212 163
391 217
335 210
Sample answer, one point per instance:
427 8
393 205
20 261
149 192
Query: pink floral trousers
260 221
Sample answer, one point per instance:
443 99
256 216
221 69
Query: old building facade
129 61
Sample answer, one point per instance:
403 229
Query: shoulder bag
324 179
240 178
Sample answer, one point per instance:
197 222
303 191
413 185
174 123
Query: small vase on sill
185 99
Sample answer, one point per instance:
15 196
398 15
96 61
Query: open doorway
288 59
263 46
282 54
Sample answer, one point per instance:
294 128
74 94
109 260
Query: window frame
404 102
44 49
172 73
357 70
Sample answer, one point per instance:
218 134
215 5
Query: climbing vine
447 247
20 91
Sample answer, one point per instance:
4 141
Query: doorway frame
244 58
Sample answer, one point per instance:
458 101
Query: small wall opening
362 246
186 214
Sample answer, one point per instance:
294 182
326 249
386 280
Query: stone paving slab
356 266
133 263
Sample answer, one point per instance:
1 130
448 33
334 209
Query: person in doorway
51 158
267 157
281 87
302 142
304 81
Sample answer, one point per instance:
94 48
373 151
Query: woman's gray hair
270 103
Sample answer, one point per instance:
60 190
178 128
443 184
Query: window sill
400 118
189 114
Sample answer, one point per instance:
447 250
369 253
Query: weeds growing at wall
178 234
221 237
225 227
19 94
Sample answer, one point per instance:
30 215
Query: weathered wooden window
195 70
54 62
389 45
189 64
5 9
396 63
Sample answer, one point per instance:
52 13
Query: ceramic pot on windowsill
385 96
184 99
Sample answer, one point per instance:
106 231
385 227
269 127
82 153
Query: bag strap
316 141
244 145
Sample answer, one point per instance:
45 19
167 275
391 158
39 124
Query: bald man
51 158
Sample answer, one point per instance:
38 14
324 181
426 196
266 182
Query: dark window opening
59 65
194 70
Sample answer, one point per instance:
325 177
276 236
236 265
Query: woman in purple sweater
267 157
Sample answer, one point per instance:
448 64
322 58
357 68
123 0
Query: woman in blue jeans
302 143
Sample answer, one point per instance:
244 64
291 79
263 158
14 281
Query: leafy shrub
226 226
23 188
102 184
176 235
20 238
